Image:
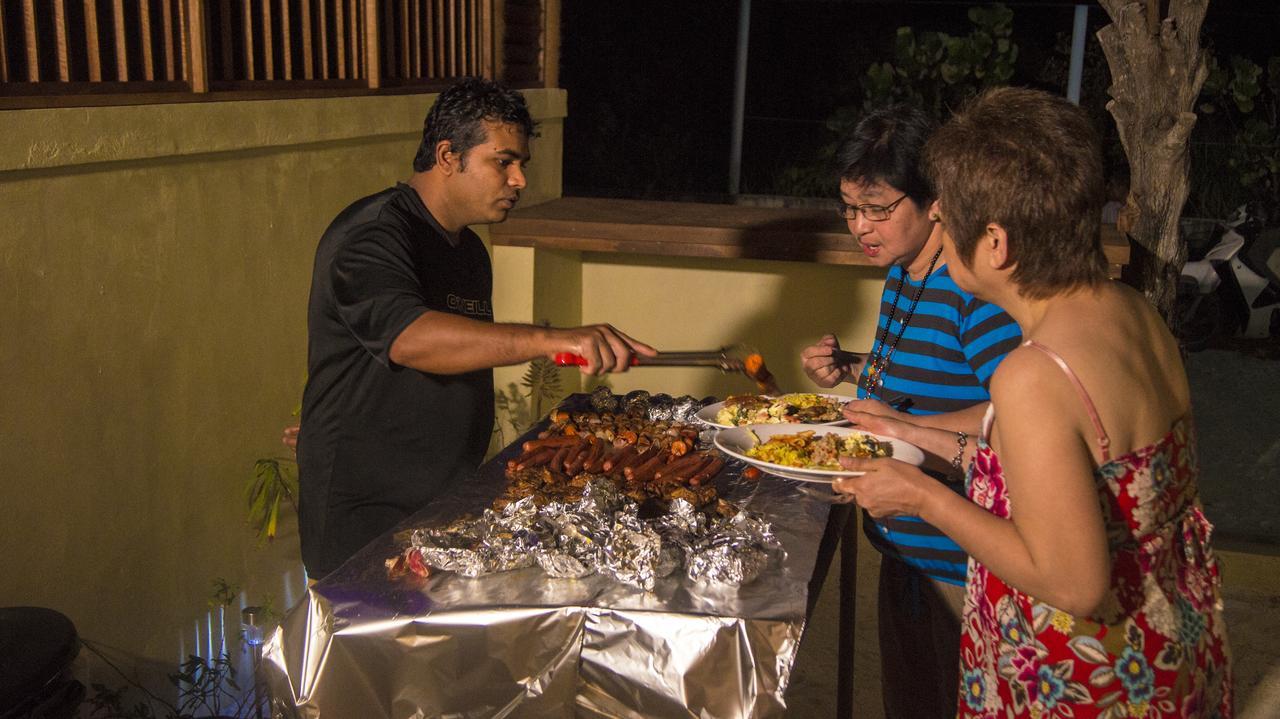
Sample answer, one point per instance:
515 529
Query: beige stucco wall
681 303
154 268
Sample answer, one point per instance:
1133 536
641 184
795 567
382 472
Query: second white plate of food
807 454
791 409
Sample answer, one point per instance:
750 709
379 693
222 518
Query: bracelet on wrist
957 462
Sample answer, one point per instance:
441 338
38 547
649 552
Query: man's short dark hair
887 147
459 115
1029 162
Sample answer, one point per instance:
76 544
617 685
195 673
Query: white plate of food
809 454
811 408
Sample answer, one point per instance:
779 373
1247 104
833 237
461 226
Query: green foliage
931 70
1240 132
937 71
523 409
274 480
205 687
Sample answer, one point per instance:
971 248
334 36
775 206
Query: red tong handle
569 359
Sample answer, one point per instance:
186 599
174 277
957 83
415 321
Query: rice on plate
796 407
807 450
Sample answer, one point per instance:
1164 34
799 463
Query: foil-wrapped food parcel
625 489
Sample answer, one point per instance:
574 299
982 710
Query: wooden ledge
691 229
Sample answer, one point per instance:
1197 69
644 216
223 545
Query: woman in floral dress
1092 590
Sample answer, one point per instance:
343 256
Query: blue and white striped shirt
944 363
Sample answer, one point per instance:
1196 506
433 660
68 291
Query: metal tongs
722 358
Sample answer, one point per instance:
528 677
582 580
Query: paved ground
1236 397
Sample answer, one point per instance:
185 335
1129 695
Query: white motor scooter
1235 289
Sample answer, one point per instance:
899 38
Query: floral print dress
1157 648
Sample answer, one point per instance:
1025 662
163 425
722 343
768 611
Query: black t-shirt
378 440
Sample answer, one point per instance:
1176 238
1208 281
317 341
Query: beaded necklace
879 363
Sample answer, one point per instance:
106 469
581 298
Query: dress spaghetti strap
1104 442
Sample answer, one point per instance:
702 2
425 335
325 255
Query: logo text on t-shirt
475 308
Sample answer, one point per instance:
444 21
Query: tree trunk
1157 69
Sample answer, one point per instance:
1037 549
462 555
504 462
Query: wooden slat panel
322 30
60 39
353 38
286 42
228 59
246 27
486 38
29 29
148 63
268 42
551 43
308 61
372 71
166 19
194 44
183 31
4 50
121 43
93 53
340 41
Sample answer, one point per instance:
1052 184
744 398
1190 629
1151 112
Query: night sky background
650 82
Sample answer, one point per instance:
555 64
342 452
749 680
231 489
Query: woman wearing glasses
935 348
1092 589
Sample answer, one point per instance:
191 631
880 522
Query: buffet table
520 643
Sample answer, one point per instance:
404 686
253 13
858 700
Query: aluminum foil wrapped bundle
579 537
729 563
512 537
734 552
604 400
750 527
636 403
510 549
681 528
459 534
464 561
633 554
564 565
600 498
683 408
660 407
496 543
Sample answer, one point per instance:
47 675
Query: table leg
841 533
848 615
826 555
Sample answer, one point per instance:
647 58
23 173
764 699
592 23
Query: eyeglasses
874 213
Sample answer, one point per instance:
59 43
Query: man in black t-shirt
398 405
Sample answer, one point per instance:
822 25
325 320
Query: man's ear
996 242
446 158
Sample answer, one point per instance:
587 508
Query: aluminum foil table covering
523 644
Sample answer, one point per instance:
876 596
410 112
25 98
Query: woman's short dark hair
459 115
887 147
1031 163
